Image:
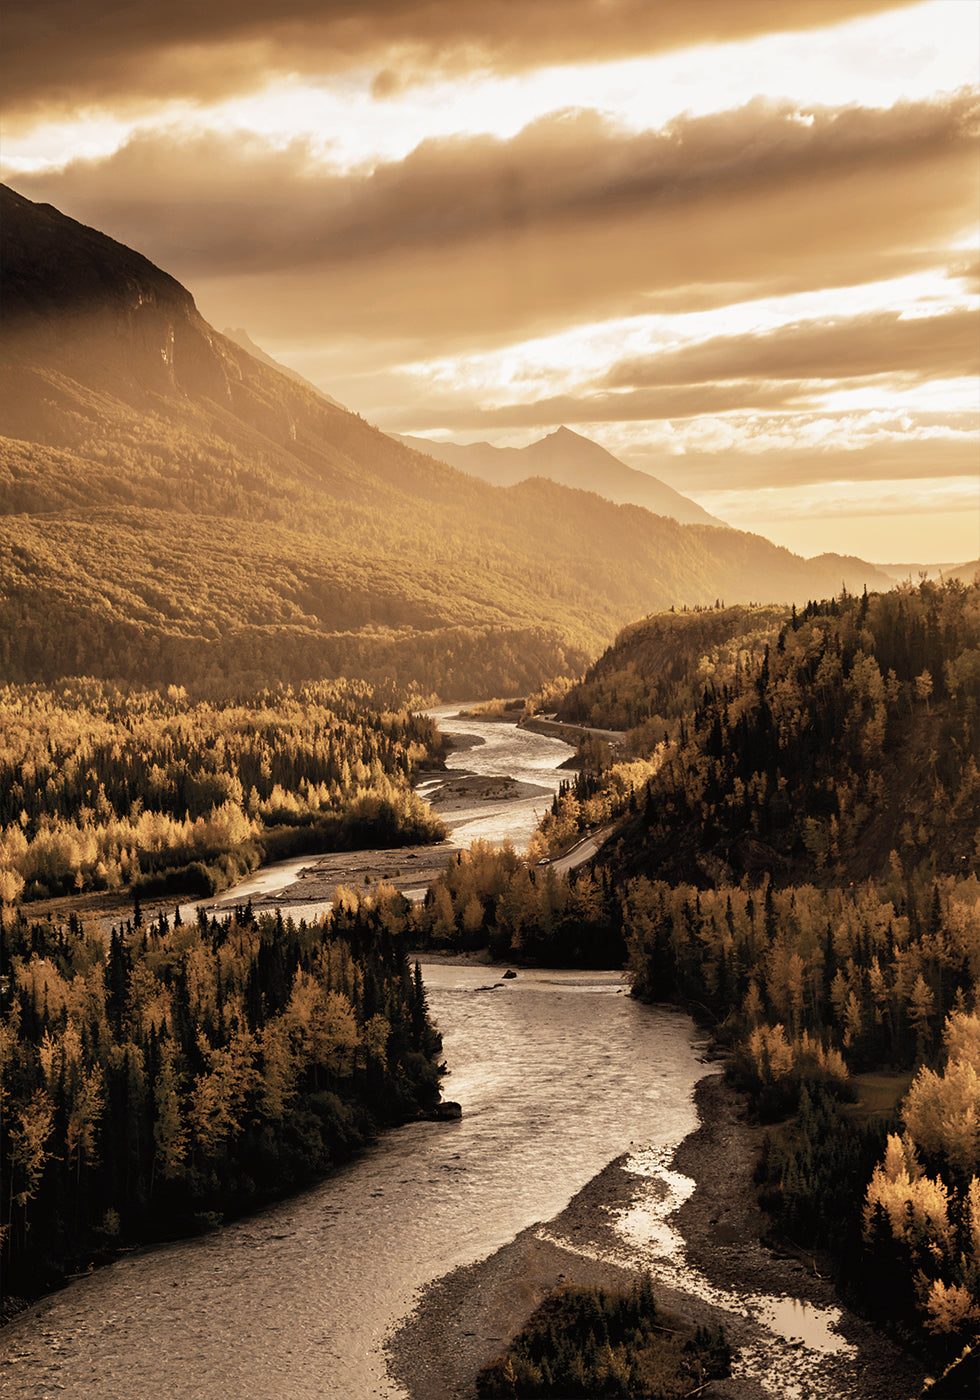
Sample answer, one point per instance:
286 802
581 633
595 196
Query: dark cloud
474 239
65 53
857 347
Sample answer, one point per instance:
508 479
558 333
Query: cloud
457 413
886 457
848 499
477 240
72 53
856 347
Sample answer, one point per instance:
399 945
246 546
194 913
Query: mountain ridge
171 507
241 337
570 459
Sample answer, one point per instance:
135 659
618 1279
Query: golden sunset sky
733 241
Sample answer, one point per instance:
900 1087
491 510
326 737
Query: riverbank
470 1316
472 802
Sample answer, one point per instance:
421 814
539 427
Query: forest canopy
103 787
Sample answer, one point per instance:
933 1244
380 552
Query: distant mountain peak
176 506
570 459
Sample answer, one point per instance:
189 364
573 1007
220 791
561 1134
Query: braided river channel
558 1073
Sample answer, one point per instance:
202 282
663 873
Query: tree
942 1111
29 1150
169 1130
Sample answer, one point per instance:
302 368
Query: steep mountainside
571 460
171 509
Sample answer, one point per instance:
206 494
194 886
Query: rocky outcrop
445 1112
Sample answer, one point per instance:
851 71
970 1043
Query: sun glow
886 58
567 280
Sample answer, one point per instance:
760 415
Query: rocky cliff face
77 301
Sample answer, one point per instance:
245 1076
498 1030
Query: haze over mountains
173 509
572 460
242 338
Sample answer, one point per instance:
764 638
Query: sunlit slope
171 509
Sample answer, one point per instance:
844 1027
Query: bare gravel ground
464 1320
406 868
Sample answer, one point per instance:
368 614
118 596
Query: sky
733 241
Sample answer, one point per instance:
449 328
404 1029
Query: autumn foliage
102 787
158 1076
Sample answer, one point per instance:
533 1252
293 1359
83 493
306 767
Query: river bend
557 1073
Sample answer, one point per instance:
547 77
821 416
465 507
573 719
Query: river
499 781
557 1073
489 749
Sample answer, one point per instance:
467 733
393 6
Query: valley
464 1210
254 901
187 514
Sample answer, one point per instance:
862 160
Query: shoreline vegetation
104 788
469 1317
172 1075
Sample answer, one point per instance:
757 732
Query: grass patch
878 1094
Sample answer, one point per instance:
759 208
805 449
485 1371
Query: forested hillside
654 673
822 744
848 744
817 776
174 511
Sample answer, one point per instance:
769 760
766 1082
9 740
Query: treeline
102 787
493 898
812 984
162 1076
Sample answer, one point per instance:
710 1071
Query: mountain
174 510
241 337
571 460
966 573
